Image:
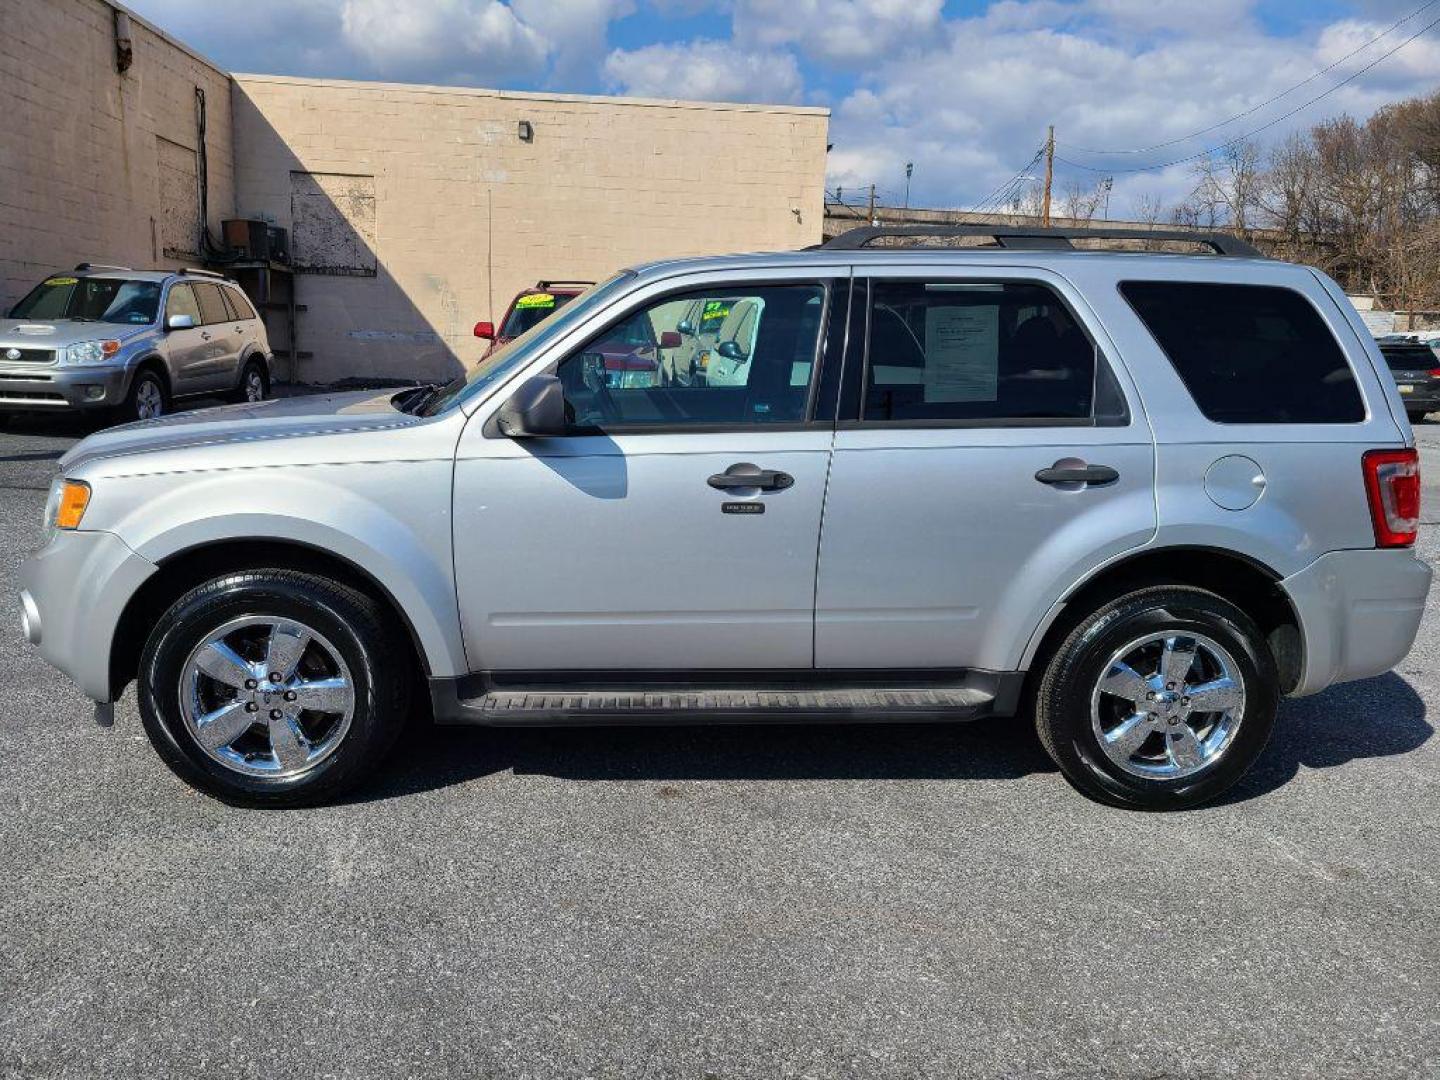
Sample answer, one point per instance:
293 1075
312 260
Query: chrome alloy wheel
149 401
1167 706
267 697
254 386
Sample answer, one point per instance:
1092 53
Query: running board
553 705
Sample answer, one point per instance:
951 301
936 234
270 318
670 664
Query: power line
1000 192
1263 127
1268 101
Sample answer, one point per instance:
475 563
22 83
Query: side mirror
687 328
180 322
669 339
535 411
485 330
731 351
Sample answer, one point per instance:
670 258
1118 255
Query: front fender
391 522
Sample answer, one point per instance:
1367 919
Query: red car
529 307
631 351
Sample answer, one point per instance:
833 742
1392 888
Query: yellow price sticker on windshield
61 281
534 300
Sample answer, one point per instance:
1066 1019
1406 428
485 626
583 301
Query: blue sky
963 88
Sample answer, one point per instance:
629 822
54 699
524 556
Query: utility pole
1107 184
909 168
1049 176
871 215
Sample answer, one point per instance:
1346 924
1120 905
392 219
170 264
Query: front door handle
1072 472
204 335
745 475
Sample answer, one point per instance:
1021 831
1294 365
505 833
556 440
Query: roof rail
560 281
82 267
203 273
1027 238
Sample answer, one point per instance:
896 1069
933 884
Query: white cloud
971 111
705 70
474 40
842 32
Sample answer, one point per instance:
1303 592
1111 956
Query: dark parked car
1416 369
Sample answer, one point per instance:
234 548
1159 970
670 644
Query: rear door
988 454
221 342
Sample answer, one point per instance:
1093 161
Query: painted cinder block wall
434 192
421 210
94 164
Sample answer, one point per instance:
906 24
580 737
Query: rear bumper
1359 613
49 387
72 594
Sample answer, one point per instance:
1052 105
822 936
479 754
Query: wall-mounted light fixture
527 133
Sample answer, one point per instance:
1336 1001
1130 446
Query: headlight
91 352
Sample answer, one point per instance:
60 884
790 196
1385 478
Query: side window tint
975 351
1249 354
240 303
745 356
212 305
181 301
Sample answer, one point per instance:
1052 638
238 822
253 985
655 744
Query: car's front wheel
148 397
274 687
1160 700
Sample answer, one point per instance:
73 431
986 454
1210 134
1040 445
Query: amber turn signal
74 497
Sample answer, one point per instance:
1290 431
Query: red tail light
1434 372
1392 481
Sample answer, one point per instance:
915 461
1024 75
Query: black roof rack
81 268
202 273
559 281
1028 238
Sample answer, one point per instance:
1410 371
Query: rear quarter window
1249 354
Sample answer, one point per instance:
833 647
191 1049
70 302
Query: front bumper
1359 613
51 387
72 594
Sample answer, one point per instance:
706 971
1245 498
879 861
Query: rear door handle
745 475
204 335
1066 473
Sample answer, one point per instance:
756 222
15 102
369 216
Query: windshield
512 354
533 308
108 300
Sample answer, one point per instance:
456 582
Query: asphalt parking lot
722 902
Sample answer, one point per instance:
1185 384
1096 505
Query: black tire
146 380
253 367
1063 699
358 627
1416 415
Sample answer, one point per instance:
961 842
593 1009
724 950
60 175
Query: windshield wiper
419 397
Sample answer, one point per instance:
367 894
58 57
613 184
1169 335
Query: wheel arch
152 361
1245 581
184 569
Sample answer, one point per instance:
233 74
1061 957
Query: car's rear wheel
1416 415
1160 700
274 687
254 383
148 398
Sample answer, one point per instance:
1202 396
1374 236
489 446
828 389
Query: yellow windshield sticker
61 281
534 300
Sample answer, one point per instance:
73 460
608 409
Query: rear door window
975 351
1249 354
212 304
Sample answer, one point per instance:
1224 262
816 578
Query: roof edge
531 95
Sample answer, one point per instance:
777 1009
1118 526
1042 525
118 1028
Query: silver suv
1138 497
132 341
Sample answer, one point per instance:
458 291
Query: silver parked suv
131 341
1137 496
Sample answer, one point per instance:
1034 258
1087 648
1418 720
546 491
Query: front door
991 459
186 351
673 528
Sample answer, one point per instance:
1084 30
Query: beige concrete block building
414 211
